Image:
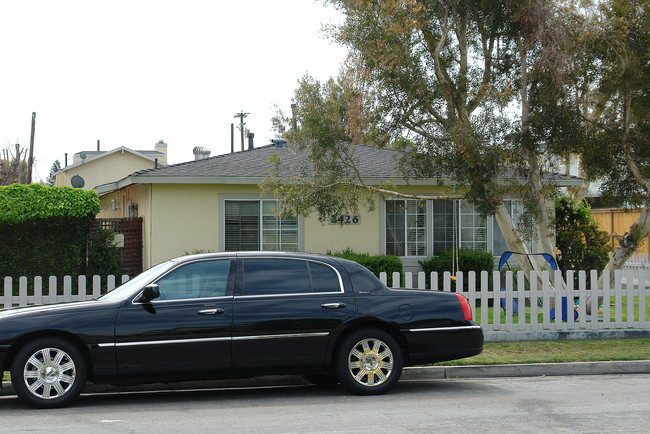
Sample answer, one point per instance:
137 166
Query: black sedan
235 315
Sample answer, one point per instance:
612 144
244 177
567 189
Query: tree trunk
516 244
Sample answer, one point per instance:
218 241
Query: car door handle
210 311
332 305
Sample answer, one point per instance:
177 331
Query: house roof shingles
254 163
250 166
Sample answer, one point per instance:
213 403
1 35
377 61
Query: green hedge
468 260
44 230
21 203
375 263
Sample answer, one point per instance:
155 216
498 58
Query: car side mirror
150 292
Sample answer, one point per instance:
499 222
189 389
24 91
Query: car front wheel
369 362
48 372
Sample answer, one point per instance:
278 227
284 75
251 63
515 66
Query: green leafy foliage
21 203
375 263
44 230
44 247
104 257
468 260
580 243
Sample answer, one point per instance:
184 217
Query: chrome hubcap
49 373
370 362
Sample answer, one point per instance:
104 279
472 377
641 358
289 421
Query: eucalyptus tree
617 113
442 81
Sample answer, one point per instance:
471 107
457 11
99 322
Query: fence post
9 293
97 286
52 290
67 288
484 299
534 320
546 296
396 279
496 300
521 291
38 290
81 287
383 277
629 292
22 291
471 292
595 295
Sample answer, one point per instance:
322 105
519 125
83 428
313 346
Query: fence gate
128 230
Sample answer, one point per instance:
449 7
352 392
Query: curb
410 374
418 373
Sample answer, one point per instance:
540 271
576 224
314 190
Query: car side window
275 276
323 278
195 280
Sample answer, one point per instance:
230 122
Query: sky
131 73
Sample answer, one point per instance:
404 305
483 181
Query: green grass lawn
558 351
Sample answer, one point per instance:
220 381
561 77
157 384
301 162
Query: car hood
48 308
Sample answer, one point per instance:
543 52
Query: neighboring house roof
95 155
253 165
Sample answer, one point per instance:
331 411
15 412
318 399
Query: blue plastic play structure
551 261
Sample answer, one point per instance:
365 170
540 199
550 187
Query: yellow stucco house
214 204
92 168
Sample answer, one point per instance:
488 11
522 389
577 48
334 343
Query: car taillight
467 311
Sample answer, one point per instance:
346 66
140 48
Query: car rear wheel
48 372
369 362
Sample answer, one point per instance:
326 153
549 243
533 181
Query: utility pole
241 115
30 161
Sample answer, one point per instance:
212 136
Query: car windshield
137 282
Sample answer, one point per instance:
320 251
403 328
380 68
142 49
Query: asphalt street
410 374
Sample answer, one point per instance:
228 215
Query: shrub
468 260
375 263
104 257
44 230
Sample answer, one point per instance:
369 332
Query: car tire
369 362
48 372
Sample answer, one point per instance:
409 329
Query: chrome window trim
445 329
289 294
220 339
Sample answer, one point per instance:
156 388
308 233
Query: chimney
97 145
250 140
162 148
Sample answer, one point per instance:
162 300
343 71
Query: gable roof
253 165
96 155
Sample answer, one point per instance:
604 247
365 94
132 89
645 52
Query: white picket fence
528 307
525 307
51 294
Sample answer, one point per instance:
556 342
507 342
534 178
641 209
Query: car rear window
273 276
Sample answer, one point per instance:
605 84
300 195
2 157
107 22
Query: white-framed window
406 227
257 225
456 224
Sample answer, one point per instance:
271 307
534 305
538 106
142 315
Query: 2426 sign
345 219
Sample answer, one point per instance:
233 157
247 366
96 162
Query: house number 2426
345 219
